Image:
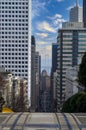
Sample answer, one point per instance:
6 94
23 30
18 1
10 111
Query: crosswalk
42 121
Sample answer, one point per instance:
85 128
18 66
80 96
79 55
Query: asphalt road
43 121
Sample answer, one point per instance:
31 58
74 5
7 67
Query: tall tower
33 79
76 14
71 46
70 49
84 13
76 3
15 38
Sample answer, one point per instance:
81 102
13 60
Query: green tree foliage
82 72
76 103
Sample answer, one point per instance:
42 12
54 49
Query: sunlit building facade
15 38
71 46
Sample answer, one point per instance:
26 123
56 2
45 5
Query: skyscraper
76 13
84 12
33 75
38 78
53 70
54 57
15 38
71 46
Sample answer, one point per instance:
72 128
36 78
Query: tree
82 72
77 103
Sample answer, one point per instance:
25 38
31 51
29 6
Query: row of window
13 45
18 70
16 58
12 20
21 74
16 16
25 54
13 24
15 62
14 3
15 28
22 32
11 28
13 49
13 7
13 11
14 41
16 66
16 36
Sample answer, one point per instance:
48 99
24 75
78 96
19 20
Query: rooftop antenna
76 3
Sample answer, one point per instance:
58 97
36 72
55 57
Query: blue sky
47 17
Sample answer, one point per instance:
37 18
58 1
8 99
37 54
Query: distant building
53 70
84 13
54 85
76 13
33 75
54 57
47 82
38 78
43 80
45 92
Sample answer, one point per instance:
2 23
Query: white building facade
15 38
72 85
71 82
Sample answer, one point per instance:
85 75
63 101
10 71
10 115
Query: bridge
42 121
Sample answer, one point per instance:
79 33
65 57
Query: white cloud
45 26
44 50
42 35
58 16
55 16
48 48
57 20
41 42
37 7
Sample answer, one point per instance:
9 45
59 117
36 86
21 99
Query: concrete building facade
15 38
72 85
71 46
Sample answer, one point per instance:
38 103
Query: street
42 121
